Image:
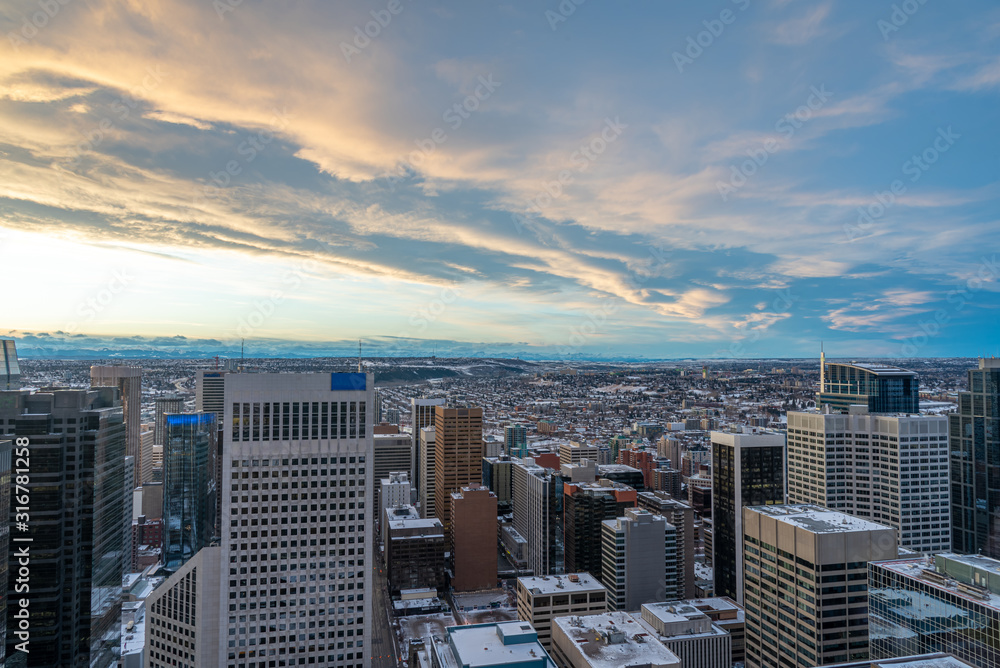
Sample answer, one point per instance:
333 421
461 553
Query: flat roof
818 519
914 568
880 369
483 644
588 634
921 661
555 584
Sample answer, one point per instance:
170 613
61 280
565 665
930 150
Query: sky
724 178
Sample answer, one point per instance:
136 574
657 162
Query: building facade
474 539
639 559
535 518
189 493
585 507
681 516
883 389
10 369
421 415
540 599
458 455
515 440
128 380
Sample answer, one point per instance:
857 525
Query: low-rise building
689 633
542 598
504 645
609 640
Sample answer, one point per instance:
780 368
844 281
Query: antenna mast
359 355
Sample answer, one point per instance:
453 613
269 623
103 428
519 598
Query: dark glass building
950 605
884 389
974 440
748 469
189 464
585 507
10 370
79 500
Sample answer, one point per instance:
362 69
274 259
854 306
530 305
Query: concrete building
585 507
892 469
681 516
128 380
572 453
974 442
534 504
748 469
209 391
393 452
882 389
163 406
497 477
728 616
515 440
145 461
948 604
80 516
395 491
542 598
425 472
458 456
183 626
474 538
609 640
815 561
689 633
639 559
504 645
421 415
414 550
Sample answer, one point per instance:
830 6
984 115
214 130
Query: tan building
458 456
474 539
820 558
128 380
542 598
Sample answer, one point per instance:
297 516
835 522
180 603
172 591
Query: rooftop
504 644
615 639
880 369
553 584
818 519
921 569
921 661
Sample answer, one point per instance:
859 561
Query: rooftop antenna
359 355
822 368
242 344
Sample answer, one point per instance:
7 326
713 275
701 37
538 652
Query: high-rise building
392 454
574 453
883 389
949 605
210 391
189 494
458 456
681 516
308 437
145 465
128 380
474 538
394 491
892 469
10 370
639 559
515 440
625 475
425 472
77 492
497 477
812 563
540 599
535 519
585 507
163 406
421 415
974 436
748 469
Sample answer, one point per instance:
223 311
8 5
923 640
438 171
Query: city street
383 649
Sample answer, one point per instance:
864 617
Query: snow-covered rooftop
554 584
818 519
633 646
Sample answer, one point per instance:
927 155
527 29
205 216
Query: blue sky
711 179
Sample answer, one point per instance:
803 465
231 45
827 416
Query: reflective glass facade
882 389
188 486
914 611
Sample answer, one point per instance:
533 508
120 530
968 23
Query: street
383 649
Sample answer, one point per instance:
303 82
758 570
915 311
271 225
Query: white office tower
296 520
395 491
421 415
425 472
534 503
893 469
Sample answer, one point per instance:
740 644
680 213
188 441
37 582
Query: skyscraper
883 389
189 461
892 469
515 440
748 469
681 516
585 507
805 585
77 493
209 391
298 447
975 457
474 538
10 370
128 380
425 473
458 455
533 498
421 415
639 559
163 406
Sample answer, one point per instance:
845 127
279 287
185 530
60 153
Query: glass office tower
884 389
188 485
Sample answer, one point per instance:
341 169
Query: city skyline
738 180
